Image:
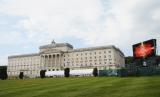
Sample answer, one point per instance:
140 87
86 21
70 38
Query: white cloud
53 17
10 38
96 22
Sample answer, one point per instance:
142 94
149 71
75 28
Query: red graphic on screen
144 50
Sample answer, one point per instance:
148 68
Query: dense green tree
3 72
95 72
66 72
42 73
129 59
21 75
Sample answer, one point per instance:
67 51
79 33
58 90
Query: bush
3 75
3 72
95 72
66 72
42 73
21 75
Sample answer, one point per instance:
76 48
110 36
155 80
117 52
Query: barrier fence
143 67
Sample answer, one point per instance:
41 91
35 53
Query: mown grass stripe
82 87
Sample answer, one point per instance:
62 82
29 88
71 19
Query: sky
27 24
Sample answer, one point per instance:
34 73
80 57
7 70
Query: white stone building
57 56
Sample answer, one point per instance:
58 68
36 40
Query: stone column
48 62
45 60
42 61
45 57
51 60
60 60
49 65
56 60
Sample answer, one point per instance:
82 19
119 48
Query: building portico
51 61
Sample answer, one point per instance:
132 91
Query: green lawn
82 87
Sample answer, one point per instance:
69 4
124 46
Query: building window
85 53
99 56
99 52
105 56
95 57
77 54
95 53
104 51
109 51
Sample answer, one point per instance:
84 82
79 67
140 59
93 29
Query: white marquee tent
80 72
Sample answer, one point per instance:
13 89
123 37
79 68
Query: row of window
35 59
21 63
26 72
53 69
105 63
90 53
89 58
26 67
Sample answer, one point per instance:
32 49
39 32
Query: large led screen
144 49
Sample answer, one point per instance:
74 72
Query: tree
3 75
95 72
66 72
21 75
42 73
129 59
3 72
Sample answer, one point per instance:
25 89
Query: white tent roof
81 72
52 73
72 72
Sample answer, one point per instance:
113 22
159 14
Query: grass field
82 87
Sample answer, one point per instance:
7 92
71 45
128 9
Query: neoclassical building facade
57 56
